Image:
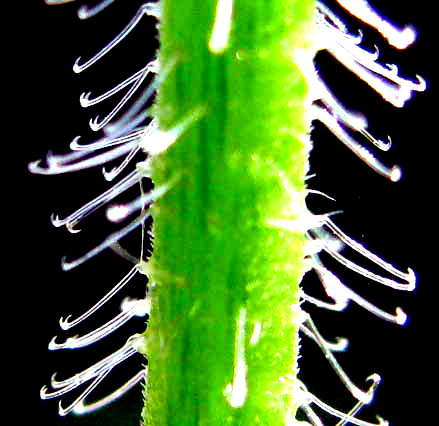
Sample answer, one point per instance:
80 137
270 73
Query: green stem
220 272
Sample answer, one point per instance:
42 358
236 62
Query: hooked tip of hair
76 67
401 317
405 39
395 174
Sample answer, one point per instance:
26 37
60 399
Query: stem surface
222 341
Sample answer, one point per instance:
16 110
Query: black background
396 220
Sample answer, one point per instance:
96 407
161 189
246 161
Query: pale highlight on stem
237 391
221 29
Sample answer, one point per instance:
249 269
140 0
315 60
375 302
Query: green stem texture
222 339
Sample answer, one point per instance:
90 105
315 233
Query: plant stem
220 272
